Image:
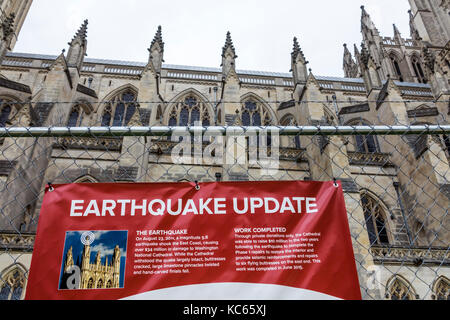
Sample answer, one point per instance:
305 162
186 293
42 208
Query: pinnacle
228 45
365 55
7 25
158 39
297 50
346 51
82 32
396 31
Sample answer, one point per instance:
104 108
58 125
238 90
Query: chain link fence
396 182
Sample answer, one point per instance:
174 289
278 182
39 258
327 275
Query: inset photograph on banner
93 260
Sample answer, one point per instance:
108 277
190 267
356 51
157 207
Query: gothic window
90 283
255 114
442 289
6 108
109 284
396 66
418 70
119 110
12 285
188 112
400 289
375 220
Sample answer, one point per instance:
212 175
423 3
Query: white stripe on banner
232 291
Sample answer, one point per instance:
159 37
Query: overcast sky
194 30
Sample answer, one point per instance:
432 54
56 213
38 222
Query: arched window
119 109
189 111
6 106
418 70
100 284
396 66
375 220
12 285
255 114
442 289
76 116
399 289
109 284
365 144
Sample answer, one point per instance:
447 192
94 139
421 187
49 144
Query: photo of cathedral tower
106 271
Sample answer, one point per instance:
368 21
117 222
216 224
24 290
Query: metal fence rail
396 182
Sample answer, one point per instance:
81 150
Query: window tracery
367 143
188 112
293 142
418 70
255 114
375 220
12 285
400 290
75 116
120 109
6 107
396 66
442 289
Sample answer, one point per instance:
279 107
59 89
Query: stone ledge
89 143
370 159
416 256
17 241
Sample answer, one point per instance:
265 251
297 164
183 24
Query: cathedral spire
397 35
81 34
156 50
78 47
157 40
350 66
297 52
356 50
414 33
228 46
367 25
228 57
396 31
298 64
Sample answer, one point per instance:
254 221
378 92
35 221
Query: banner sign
279 240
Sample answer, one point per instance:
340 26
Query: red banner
228 240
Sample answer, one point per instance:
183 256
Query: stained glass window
120 109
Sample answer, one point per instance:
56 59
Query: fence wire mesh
396 182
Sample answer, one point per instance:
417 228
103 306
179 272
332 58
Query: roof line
203 69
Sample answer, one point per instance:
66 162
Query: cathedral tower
431 20
350 67
12 17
